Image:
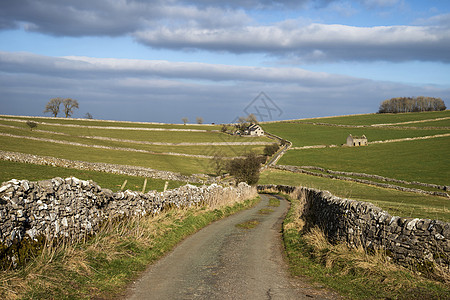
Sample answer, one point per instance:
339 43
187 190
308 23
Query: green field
229 150
14 170
426 161
106 123
141 135
310 135
370 119
129 142
184 165
421 160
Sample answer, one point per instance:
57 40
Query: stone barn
354 141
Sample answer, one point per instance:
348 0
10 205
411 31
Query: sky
161 61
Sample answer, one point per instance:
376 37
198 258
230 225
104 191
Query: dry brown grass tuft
348 259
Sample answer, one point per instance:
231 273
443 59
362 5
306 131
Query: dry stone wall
409 241
71 208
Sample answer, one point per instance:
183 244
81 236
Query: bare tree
252 119
69 106
199 120
185 120
88 116
53 106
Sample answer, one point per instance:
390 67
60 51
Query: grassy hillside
423 160
371 119
131 143
309 135
420 160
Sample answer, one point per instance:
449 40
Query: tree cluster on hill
411 104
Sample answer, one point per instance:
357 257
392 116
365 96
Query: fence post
124 184
145 185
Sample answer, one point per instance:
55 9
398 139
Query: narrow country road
223 261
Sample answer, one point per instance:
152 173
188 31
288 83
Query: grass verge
352 273
103 266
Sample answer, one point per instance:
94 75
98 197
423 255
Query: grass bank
103 266
352 273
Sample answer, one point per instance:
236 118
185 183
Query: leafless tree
69 106
53 106
185 120
199 120
252 119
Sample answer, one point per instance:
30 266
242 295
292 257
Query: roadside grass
370 119
103 266
351 272
184 165
420 160
248 224
309 135
395 202
15 170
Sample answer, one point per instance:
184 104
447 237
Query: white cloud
334 42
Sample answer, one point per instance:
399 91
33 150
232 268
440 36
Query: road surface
223 261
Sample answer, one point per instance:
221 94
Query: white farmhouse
255 130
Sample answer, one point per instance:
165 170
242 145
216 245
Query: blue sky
164 60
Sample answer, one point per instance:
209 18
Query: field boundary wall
409 241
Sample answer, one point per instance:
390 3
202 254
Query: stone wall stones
72 208
408 241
